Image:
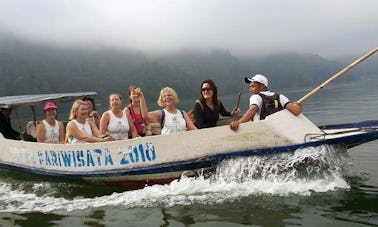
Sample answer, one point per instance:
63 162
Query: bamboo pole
238 101
337 75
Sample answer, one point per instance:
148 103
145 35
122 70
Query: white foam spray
300 173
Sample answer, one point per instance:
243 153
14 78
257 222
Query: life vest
270 105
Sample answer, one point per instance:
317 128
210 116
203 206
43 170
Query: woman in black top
207 109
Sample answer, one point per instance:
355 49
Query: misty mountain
27 68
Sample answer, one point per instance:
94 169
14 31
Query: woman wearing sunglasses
207 109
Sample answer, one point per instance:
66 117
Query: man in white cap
264 102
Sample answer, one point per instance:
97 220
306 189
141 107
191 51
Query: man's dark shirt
6 128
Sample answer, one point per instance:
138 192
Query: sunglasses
206 89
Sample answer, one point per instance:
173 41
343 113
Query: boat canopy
33 100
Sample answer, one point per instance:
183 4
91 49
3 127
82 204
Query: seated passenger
5 125
263 102
115 122
93 114
171 119
207 109
50 130
80 129
138 111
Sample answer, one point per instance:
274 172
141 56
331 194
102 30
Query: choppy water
326 186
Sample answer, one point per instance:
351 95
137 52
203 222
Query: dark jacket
6 128
207 117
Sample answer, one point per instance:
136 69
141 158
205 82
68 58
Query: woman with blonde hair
171 119
115 122
80 129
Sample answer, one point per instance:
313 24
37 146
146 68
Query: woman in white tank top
173 122
80 129
50 130
115 122
170 118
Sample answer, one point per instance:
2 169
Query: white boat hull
160 159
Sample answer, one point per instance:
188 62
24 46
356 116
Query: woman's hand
94 114
234 125
107 138
235 112
148 132
138 91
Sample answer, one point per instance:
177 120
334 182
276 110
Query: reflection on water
95 218
244 213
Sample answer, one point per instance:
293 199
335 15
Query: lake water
340 189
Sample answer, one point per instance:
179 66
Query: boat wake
302 173
318 163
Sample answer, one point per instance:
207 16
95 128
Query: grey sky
244 27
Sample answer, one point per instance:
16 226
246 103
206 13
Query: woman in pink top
138 111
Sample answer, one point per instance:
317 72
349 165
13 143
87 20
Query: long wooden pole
238 102
337 75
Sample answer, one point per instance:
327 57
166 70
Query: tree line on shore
34 69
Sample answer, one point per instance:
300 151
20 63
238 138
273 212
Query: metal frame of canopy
28 100
37 99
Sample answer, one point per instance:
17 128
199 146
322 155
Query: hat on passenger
49 105
257 78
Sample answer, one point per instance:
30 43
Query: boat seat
28 137
226 120
155 127
31 130
156 130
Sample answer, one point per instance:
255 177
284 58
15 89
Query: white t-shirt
118 128
52 132
84 128
256 99
173 123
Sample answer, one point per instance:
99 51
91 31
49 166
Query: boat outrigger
160 159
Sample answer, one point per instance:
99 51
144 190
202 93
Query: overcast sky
244 27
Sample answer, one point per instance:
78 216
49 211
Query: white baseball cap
257 78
